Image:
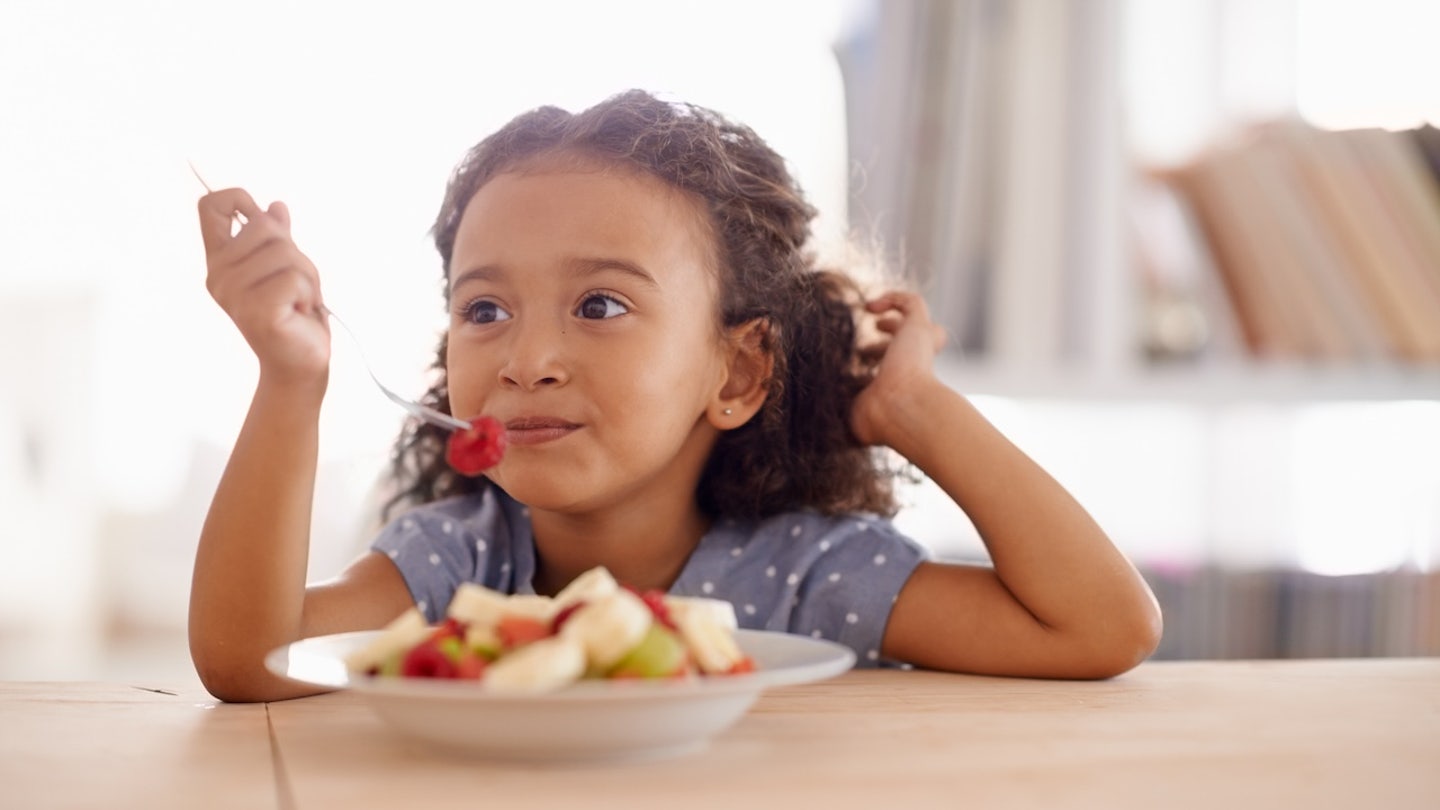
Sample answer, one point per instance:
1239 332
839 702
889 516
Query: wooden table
1322 733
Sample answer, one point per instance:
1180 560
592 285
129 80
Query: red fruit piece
517 631
473 451
743 666
426 660
471 667
450 627
655 600
564 616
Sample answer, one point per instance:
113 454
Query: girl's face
583 318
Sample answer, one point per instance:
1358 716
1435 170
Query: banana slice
531 606
597 583
477 605
707 626
540 666
718 609
407 630
609 627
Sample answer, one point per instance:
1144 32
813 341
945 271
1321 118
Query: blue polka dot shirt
827 577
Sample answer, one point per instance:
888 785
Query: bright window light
1366 488
1368 64
1197 69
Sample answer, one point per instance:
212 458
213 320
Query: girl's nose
535 357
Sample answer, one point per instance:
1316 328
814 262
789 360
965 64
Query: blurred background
1120 209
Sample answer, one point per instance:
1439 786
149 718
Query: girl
686 402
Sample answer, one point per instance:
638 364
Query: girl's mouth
532 430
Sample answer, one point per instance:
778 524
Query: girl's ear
749 365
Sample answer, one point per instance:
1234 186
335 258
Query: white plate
589 720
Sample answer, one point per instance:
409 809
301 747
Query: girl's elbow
228 691
227 678
222 684
1128 645
247 681
1149 630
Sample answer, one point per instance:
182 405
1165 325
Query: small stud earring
727 412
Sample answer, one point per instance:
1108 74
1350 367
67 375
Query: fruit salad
594 628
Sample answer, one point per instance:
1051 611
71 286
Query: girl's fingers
889 324
873 351
894 310
262 234
261 247
276 312
280 293
906 303
263 230
217 212
269 259
280 325
260 227
901 318
281 212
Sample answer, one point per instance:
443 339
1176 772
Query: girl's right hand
267 286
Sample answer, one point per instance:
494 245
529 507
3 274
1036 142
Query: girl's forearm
1045 547
248 591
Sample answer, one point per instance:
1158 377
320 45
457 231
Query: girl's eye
484 311
597 306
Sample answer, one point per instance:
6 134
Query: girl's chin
547 493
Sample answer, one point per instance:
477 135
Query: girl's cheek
460 385
470 381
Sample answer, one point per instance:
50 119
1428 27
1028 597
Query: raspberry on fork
473 451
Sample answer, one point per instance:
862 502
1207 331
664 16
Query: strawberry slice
473 451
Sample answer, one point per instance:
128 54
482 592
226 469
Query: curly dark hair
798 452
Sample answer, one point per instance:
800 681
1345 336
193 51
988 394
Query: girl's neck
642 547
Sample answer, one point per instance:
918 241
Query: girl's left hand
907 351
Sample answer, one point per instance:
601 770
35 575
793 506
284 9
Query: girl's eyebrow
576 267
586 266
486 272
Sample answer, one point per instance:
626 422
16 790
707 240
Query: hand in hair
906 350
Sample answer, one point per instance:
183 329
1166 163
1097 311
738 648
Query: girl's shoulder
803 531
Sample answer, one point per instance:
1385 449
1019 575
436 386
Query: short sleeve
834 578
854 576
442 545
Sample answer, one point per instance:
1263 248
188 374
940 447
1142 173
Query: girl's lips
533 430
